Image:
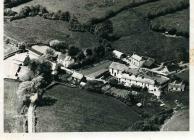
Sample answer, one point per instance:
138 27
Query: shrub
94 85
9 12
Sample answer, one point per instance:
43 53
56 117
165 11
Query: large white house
128 77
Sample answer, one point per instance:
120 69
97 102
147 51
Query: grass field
72 109
40 30
154 45
161 7
178 122
179 21
127 23
85 10
11 122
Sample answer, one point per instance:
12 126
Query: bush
9 12
12 3
95 86
60 46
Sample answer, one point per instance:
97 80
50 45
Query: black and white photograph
96 66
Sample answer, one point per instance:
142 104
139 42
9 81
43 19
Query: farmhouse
77 78
136 61
176 86
118 54
128 77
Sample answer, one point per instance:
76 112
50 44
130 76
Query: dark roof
149 62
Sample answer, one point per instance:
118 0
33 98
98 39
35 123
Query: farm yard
10 107
72 109
96 69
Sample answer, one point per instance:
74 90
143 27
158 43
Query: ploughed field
12 121
71 109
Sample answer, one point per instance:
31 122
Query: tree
26 61
59 45
99 51
103 29
73 51
89 52
80 56
33 65
113 82
50 54
95 86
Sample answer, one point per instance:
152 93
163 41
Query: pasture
65 109
177 22
12 121
86 10
39 30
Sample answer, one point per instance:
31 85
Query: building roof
40 49
145 78
176 84
136 57
149 62
133 71
118 66
77 75
118 54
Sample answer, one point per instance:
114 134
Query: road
31 118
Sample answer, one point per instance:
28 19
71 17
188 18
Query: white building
136 61
118 54
129 77
176 86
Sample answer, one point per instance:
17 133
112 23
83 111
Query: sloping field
177 22
12 122
128 22
40 30
72 109
85 10
161 7
178 122
154 45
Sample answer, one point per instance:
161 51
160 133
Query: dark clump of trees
60 46
12 3
9 12
95 86
104 29
152 122
65 16
30 11
41 67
